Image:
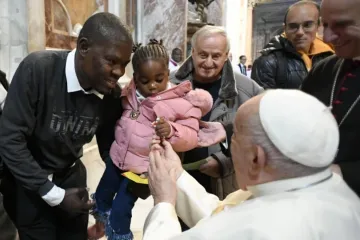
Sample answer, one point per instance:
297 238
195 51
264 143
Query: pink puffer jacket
181 106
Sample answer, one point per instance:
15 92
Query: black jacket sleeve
16 126
228 126
105 134
350 173
264 71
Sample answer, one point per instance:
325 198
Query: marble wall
215 13
13 35
166 20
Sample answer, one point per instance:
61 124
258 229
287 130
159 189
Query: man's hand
76 200
211 168
336 169
162 183
210 133
172 160
162 128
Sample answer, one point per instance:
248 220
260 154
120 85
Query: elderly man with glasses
287 58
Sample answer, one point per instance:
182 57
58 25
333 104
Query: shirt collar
2 96
73 84
288 184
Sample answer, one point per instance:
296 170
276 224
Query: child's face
152 77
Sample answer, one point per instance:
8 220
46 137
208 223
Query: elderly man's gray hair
208 31
285 167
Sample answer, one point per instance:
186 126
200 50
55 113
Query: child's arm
182 134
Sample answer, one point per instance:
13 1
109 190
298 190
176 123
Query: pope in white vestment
283 145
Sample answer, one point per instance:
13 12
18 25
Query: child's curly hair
153 50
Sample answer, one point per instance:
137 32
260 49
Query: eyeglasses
307 26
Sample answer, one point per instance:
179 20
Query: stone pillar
236 27
36 20
166 20
249 34
13 35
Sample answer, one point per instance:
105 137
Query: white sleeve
3 94
55 196
193 202
161 223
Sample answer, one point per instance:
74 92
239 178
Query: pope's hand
162 183
172 160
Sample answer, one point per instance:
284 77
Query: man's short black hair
105 27
175 49
302 2
242 56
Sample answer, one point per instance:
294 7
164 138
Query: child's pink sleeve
184 135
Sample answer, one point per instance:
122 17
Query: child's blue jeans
114 201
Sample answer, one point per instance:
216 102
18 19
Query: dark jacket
319 83
5 85
235 90
281 66
43 126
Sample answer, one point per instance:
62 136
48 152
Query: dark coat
279 54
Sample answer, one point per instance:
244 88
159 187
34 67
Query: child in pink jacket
151 105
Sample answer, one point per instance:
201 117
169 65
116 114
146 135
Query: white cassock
320 206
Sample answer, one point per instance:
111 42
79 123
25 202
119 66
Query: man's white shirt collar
73 84
288 184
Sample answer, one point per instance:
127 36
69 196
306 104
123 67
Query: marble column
166 20
13 35
36 20
215 13
249 34
236 27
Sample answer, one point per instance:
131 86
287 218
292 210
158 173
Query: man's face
243 60
301 26
209 56
177 55
341 20
104 64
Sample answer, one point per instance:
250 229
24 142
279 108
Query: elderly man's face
341 20
301 26
209 56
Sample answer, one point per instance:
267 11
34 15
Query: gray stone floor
95 168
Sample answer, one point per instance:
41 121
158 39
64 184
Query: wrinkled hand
162 128
211 168
210 133
336 169
162 183
76 200
172 160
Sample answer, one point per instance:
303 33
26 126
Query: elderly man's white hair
208 31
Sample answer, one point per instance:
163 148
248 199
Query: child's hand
162 128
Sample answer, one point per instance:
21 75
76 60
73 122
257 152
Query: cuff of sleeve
171 130
44 189
182 178
55 196
163 211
